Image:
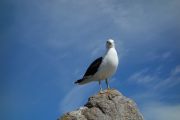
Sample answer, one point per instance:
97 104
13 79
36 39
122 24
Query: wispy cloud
154 56
138 16
144 77
172 80
176 71
156 81
76 97
166 55
153 101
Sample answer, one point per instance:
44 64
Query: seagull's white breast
109 65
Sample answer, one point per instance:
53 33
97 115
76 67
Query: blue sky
47 45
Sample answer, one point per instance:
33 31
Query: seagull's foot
100 92
109 90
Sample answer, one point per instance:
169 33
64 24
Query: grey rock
108 105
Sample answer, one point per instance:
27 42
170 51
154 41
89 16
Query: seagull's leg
107 84
100 86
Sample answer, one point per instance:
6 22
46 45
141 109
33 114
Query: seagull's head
110 44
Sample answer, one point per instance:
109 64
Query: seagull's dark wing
92 69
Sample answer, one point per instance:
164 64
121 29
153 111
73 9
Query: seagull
103 67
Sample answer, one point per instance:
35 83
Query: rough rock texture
108 105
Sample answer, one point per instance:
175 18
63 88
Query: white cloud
176 71
161 111
172 80
154 80
138 16
143 77
166 55
154 56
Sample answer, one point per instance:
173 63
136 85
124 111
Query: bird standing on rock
103 67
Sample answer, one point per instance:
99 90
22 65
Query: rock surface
108 105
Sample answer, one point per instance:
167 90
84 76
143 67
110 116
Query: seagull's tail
78 81
82 81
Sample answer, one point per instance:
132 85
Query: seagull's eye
108 42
